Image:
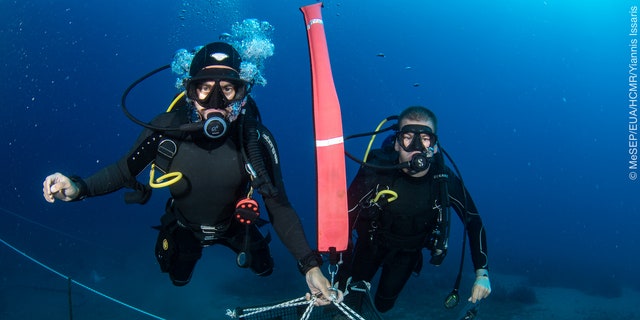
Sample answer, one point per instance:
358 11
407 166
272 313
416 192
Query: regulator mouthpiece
215 126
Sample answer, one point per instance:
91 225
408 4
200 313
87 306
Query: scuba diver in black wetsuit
397 206
214 152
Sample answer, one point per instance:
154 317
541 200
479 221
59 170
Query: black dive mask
420 138
413 137
216 124
216 98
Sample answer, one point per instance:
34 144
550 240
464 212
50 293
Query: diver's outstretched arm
59 186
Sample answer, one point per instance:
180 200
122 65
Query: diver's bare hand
482 286
59 186
321 288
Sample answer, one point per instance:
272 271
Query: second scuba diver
398 205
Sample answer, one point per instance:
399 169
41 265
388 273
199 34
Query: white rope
346 310
76 282
251 311
307 312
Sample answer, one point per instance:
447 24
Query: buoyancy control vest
435 234
252 143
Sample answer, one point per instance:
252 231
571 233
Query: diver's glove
482 279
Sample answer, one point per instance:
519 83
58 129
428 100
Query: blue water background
531 97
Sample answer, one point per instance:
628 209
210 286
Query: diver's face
408 137
205 88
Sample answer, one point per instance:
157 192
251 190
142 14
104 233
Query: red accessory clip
247 211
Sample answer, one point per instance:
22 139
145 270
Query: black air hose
250 134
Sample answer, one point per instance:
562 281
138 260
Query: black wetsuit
393 238
214 179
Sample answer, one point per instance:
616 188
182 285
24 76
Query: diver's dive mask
216 94
413 137
215 124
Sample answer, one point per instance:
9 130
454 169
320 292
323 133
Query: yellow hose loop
373 137
392 196
175 101
163 181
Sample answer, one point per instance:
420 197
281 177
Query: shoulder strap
169 144
439 241
167 149
250 137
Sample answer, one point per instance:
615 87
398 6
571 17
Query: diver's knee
179 283
264 267
265 273
384 304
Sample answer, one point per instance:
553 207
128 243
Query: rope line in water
247 312
54 230
68 235
78 283
348 312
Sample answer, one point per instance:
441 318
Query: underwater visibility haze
536 105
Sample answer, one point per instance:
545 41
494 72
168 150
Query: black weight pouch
166 245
